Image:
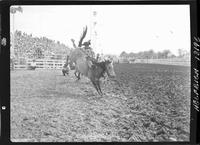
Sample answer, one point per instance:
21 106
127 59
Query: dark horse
98 70
95 71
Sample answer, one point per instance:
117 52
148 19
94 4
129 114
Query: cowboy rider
89 53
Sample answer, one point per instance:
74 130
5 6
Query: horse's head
109 68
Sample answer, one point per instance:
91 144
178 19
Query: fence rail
58 64
42 64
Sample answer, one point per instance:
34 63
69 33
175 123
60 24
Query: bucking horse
87 65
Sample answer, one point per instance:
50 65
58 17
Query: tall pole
96 23
95 33
91 20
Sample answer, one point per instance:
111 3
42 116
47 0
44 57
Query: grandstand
47 52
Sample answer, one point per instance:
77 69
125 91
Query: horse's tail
82 36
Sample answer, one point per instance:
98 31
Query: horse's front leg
75 74
99 87
63 72
95 86
79 76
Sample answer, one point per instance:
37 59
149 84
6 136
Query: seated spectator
66 69
33 65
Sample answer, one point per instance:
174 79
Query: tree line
150 54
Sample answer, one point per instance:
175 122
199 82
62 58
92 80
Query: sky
129 28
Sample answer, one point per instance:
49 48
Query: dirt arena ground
145 102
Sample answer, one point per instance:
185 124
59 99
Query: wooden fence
58 64
42 64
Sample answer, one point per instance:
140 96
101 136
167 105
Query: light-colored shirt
33 64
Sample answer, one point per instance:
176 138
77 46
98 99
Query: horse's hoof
101 95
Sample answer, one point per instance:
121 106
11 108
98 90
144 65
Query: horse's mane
101 64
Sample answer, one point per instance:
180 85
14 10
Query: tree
132 55
151 53
124 54
183 53
159 55
58 42
166 53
